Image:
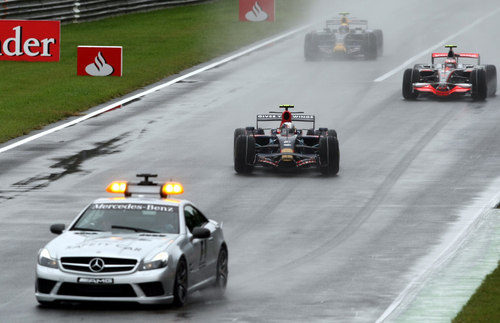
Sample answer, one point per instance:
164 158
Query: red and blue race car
448 76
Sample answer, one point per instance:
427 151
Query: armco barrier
76 11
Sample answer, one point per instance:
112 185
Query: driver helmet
288 128
344 29
450 63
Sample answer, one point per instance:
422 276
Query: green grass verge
155 44
484 305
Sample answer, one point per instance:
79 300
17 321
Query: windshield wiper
86 229
131 228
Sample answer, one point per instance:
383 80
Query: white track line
156 88
449 247
432 48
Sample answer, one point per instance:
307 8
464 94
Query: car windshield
128 217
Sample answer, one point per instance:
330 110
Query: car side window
200 218
193 217
189 217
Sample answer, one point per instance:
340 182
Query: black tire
491 79
322 131
380 41
180 284
238 132
479 84
311 47
370 46
244 154
410 76
221 273
329 155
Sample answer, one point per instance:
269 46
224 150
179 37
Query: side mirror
201 233
57 228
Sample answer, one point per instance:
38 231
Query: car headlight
45 259
158 261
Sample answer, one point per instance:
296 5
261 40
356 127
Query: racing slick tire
479 84
238 132
370 46
180 284
329 155
244 154
332 133
380 41
491 79
222 273
321 131
410 76
311 47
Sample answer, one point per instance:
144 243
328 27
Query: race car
144 247
449 77
286 146
344 38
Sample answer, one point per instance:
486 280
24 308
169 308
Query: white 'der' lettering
256 14
27 46
99 67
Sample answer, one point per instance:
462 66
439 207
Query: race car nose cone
287 155
339 48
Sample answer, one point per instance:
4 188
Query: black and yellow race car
286 146
344 38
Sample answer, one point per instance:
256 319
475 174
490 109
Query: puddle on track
68 165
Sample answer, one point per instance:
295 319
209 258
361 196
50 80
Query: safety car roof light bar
146 187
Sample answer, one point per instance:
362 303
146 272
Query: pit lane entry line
154 89
407 63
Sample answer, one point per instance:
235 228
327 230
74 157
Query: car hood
106 244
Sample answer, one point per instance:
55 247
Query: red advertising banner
30 40
257 10
100 60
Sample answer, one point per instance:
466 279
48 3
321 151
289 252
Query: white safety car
144 247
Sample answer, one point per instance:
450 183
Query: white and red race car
451 77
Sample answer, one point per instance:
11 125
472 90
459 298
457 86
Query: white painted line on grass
432 48
154 89
451 243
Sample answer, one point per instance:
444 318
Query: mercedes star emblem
96 265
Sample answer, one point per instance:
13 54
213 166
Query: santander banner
257 10
30 40
100 60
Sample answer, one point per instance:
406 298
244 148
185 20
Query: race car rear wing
296 117
464 55
353 23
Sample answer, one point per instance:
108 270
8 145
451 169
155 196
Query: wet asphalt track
302 247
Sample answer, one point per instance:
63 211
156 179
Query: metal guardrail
76 11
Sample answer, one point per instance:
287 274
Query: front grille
118 290
111 265
44 285
152 289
